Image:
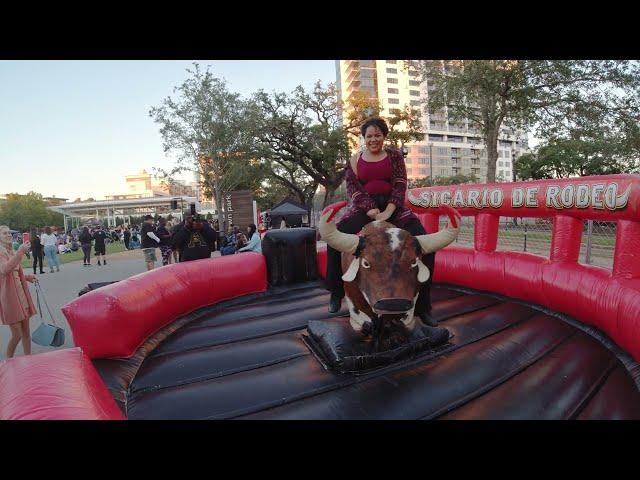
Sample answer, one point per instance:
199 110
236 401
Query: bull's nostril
393 305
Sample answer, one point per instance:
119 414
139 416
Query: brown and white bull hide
388 269
384 279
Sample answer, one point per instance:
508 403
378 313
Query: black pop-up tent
289 210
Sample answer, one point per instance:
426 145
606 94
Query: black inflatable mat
339 348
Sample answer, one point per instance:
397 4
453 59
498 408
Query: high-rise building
449 147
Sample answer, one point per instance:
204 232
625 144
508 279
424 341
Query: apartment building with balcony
450 147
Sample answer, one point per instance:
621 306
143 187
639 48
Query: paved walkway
62 287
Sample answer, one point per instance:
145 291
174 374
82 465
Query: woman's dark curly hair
375 122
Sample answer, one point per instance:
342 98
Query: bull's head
382 266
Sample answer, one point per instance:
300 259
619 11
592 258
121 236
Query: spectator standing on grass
37 251
100 236
127 237
15 298
149 242
164 235
85 242
255 243
50 244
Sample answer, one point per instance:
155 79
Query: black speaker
174 204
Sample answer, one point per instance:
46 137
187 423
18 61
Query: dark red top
375 176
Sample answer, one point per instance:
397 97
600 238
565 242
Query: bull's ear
352 271
423 271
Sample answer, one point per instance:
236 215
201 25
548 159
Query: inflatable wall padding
290 255
115 320
57 385
608 300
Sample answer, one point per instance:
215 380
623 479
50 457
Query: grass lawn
78 255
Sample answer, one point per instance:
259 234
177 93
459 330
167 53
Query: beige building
145 185
449 148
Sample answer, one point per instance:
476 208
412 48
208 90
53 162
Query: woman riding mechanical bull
377 184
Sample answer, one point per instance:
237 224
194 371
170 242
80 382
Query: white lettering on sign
598 196
517 197
532 197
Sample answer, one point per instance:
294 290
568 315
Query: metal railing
533 235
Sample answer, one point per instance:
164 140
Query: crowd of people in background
193 238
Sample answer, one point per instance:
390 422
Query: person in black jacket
194 239
164 235
126 237
149 242
36 250
85 243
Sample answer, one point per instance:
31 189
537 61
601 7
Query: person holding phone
15 298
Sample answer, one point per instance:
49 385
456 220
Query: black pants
126 243
354 224
86 249
38 256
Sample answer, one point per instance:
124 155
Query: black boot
99 262
335 303
427 319
436 335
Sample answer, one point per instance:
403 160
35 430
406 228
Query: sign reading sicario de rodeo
598 196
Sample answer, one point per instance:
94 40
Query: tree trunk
329 194
221 224
491 140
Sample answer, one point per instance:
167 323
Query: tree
562 158
452 180
303 141
552 96
22 212
205 125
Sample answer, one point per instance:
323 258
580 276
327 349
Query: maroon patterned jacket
361 202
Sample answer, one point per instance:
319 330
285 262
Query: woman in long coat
16 305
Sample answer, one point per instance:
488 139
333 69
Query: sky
76 128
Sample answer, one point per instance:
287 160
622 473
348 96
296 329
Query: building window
437 138
393 101
392 62
414 83
392 70
392 80
443 171
422 160
415 93
413 73
442 150
454 138
394 111
500 164
414 103
392 90
423 171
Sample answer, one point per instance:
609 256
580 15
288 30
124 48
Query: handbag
47 334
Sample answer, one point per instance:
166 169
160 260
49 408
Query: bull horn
343 242
435 241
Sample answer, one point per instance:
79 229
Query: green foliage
453 180
558 98
22 212
562 158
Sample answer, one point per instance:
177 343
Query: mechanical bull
383 269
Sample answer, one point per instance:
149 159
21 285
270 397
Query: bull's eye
365 264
